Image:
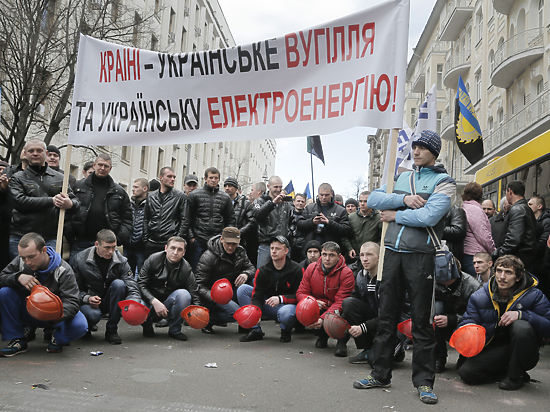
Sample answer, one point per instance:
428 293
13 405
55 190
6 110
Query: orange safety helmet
405 328
222 291
468 340
44 305
196 316
307 311
134 313
248 316
335 326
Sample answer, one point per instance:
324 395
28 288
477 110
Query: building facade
501 50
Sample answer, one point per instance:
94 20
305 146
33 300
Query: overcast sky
346 153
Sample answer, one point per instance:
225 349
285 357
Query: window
125 153
144 159
413 116
160 161
174 163
490 123
540 86
440 77
478 84
500 116
541 13
479 24
172 26
439 122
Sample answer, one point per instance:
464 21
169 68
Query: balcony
515 55
448 126
454 19
419 82
455 66
503 6
528 123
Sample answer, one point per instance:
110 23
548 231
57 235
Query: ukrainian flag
307 192
467 130
289 189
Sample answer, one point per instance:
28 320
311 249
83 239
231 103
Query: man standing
521 229
297 240
488 207
366 226
190 183
38 264
37 198
53 156
272 215
104 278
274 291
329 281
225 258
325 220
313 253
168 285
164 213
105 205
409 263
256 190
542 215
499 223
483 264
207 212
351 205
135 250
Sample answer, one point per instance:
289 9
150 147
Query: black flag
314 147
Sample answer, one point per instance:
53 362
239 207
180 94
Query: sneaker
360 359
286 336
243 330
93 328
254 334
148 330
370 382
208 329
54 347
113 338
179 336
15 347
321 342
427 395
511 384
341 348
163 323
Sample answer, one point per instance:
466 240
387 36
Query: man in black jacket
207 212
135 249
542 252
37 198
104 205
168 285
325 220
454 231
38 264
104 278
53 158
225 258
274 291
273 215
521 230
164 213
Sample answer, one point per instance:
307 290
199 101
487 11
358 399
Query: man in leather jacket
168 286
37 198
521 230
164 213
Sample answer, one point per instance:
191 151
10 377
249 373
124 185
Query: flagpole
392 147
60 222
312 184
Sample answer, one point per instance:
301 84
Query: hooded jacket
407 233
272 282
529 301
215 263
331 288
60 280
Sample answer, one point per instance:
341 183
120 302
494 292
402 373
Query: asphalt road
161 374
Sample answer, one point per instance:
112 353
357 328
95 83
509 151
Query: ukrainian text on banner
347 73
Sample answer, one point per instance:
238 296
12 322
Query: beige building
501 50
176 26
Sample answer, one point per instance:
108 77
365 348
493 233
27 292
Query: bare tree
359 184
38 49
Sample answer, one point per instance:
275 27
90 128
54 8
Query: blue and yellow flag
467 130
307 192
289 189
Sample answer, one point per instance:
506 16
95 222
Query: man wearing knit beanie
429 140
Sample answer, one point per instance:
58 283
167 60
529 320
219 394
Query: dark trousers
109 304
136 256
508 359
442 335
356 311
197 249
411 272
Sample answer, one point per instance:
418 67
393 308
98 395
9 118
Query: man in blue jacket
516 316
409 263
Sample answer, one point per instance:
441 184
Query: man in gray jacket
104 278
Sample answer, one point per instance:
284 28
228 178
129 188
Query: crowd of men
167 248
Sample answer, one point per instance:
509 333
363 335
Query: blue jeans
109 304
468 265
223 313
136 256
175 303
14 241
15 317
285 314
264 254
197 249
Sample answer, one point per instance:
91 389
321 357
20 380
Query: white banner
339 75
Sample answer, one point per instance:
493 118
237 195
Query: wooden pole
61 221
312 183
391 159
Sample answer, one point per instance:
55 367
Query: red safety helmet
44 305
405 328
134 313
468 340
222 291
248 316
196 316
335 326
307 311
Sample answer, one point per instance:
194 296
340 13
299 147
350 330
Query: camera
287 198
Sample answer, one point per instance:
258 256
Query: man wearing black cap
313 253
190 183
409 263
351 205
53 157
243 215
